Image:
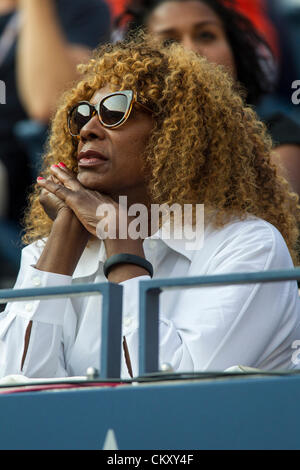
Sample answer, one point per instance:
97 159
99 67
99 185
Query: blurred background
41 43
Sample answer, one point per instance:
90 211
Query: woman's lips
87 162
91 158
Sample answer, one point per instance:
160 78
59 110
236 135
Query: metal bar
111 333
149 292
149 331
111 324
223 279
19 295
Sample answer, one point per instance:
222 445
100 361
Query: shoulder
251 227
255 234
246 245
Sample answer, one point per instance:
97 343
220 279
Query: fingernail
40 178
62 164
55 166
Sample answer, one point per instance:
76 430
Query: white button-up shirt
208 328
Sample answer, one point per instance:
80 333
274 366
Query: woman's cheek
222 55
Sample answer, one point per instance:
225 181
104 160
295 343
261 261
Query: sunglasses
113 111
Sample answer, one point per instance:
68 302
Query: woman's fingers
84 203
55 188
54 179
65 176
50 202
62 178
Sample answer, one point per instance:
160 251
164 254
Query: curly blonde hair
206 146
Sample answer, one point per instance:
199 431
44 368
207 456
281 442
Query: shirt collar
95 253
180 245
88 264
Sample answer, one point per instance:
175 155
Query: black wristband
125 258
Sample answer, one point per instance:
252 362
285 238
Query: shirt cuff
131 303
47 310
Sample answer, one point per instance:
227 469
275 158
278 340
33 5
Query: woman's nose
190 44
93 129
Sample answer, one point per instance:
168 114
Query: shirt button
127 321
28 307
36 281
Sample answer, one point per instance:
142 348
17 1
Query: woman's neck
7 6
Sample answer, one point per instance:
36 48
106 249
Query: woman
155 125
214 29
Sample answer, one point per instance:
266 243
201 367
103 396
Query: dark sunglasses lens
113 109
78 118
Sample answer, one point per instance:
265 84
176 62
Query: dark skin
73 200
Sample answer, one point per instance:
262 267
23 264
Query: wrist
128 260
123 272
67 225
64 247
115 247
65 217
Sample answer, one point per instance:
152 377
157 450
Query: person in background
255 10
41 43
218 31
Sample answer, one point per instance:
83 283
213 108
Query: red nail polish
40 178
55 166
62 164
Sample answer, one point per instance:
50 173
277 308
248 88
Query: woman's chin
91 181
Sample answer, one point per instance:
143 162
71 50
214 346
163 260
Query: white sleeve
214 328
45 356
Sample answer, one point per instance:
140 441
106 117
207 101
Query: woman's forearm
65 245
45 63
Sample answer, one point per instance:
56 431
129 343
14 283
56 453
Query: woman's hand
62 190
68 238
96 212
51 204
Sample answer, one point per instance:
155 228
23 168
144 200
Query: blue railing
110 360
149 292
